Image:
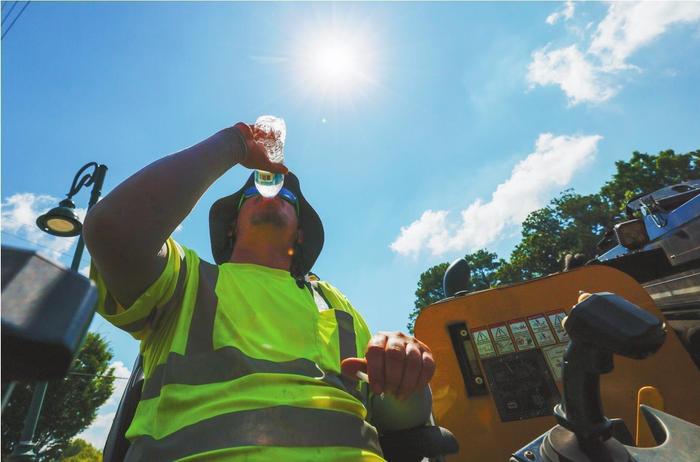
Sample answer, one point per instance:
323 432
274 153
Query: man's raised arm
125 232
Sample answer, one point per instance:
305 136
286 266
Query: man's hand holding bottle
256 158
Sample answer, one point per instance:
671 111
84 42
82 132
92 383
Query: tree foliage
644 173
428 292
483 266
70 404
80 450
569 224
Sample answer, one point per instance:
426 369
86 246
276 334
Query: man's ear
300 236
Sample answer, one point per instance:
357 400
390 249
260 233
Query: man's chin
268 218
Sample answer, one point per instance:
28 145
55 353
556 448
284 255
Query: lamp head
61 221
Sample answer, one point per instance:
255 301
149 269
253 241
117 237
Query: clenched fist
396 363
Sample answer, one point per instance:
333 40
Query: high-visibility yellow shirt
242 364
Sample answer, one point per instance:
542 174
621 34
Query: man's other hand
257 157
396 363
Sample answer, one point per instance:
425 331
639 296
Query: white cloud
627 27
569 68
547 170
567 12
96 434
19 214
120 370
413 237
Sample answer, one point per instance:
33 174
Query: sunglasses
285 194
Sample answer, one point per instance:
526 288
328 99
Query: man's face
268 218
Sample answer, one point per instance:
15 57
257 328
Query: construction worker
242 358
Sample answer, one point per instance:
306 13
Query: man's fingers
411 372
375 362
427 369
398 364
395 357
349 367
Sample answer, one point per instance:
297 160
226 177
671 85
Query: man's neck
271 256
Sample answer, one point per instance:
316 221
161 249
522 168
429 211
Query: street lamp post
60 221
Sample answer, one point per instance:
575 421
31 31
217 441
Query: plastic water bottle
269 184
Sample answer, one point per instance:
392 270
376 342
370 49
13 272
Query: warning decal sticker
543 333
555 359
501 337
556 317
483 343
521 334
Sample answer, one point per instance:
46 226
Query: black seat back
117 444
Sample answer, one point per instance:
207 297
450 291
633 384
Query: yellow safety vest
241 364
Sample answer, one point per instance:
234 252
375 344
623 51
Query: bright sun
336 62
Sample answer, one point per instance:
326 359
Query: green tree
70 405
428 292
573 223
80 450
483 266
570 224
645 173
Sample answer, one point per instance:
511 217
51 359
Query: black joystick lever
600 326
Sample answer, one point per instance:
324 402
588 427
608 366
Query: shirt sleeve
139 318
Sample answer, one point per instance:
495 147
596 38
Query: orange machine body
515 365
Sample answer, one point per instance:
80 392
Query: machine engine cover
499 354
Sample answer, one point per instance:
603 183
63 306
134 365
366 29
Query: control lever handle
601 325
611 324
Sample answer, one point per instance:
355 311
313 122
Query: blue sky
420 131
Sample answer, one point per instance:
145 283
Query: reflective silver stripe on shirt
344 320
200 338
346 334
225 364
347 344
230 363
321 304
286 426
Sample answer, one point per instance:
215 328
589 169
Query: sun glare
335 62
